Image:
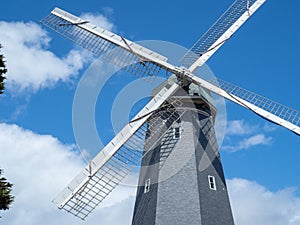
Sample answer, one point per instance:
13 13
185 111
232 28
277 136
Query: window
176 132
212 183
147 186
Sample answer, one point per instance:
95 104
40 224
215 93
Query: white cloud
99 20
249 142
241 136
31 64
239 127
39 166
254 204
259 139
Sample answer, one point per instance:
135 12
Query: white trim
147 186
175 132
212 183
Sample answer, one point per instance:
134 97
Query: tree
6 199
3 71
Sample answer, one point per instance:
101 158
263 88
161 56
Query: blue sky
44 70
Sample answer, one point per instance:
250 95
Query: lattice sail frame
126 54
260 105
222 30
286 113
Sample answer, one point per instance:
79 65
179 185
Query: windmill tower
176 125
181 178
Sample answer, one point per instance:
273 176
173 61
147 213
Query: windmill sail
114 162
264 107
132 57
236 15
276 109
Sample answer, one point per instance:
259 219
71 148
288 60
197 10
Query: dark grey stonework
179 169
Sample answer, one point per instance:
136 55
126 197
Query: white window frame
175 133
212 183
147 186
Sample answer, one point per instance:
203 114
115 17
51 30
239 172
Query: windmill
178 120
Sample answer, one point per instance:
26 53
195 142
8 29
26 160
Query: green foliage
6 199
3 71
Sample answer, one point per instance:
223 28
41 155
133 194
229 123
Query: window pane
147 186
212 183
177 132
